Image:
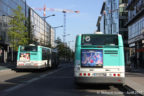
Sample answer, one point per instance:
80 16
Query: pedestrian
135 61
0 55
132 61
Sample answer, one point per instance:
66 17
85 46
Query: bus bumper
100 80
30 67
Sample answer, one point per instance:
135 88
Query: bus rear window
28 48
100 40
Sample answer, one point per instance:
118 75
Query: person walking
135 61
132 61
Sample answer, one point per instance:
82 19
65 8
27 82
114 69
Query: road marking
30 81
44 75
15 87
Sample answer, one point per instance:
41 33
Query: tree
63 50
17 31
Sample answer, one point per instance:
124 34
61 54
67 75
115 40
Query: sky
82 23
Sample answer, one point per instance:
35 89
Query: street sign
132 45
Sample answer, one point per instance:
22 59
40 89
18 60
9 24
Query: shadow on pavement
30 74
92 86
9 65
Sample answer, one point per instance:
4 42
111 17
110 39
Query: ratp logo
87 38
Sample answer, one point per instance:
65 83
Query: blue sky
84 22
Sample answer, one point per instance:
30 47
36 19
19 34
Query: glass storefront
6 10
136 31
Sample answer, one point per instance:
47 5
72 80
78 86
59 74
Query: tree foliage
64 51
17 31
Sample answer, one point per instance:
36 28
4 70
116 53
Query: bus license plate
98 74
27 63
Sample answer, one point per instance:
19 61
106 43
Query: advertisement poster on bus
92 58
24 57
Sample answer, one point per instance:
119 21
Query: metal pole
70 51
13 40
64 31
50 37
111 15
45 25
44 30
55 34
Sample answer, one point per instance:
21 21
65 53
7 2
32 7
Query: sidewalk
7 66
135 80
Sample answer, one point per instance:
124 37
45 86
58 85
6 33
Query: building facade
98 24
52 39
102 22
6 13
114 17
136 30
40 32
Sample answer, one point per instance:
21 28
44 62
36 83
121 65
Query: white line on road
15 87
30 81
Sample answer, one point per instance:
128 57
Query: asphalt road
59 82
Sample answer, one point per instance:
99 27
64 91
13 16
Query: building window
114 28
123 1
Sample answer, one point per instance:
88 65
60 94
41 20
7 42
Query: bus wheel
18 70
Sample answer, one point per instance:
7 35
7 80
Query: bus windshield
28 48
99 39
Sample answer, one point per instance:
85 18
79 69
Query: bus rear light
119 80
80 74
84 74
88 74
118 75
21 64
114 74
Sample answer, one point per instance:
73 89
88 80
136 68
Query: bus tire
18 70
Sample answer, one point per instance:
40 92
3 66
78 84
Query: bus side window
48 54
44 54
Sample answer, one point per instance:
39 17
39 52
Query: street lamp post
65 43
44 24
70 50
55 31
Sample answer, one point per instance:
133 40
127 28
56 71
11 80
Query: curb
132 91
5 70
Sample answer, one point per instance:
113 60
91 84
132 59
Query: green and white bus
99 58
36 57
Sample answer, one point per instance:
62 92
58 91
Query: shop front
137 50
